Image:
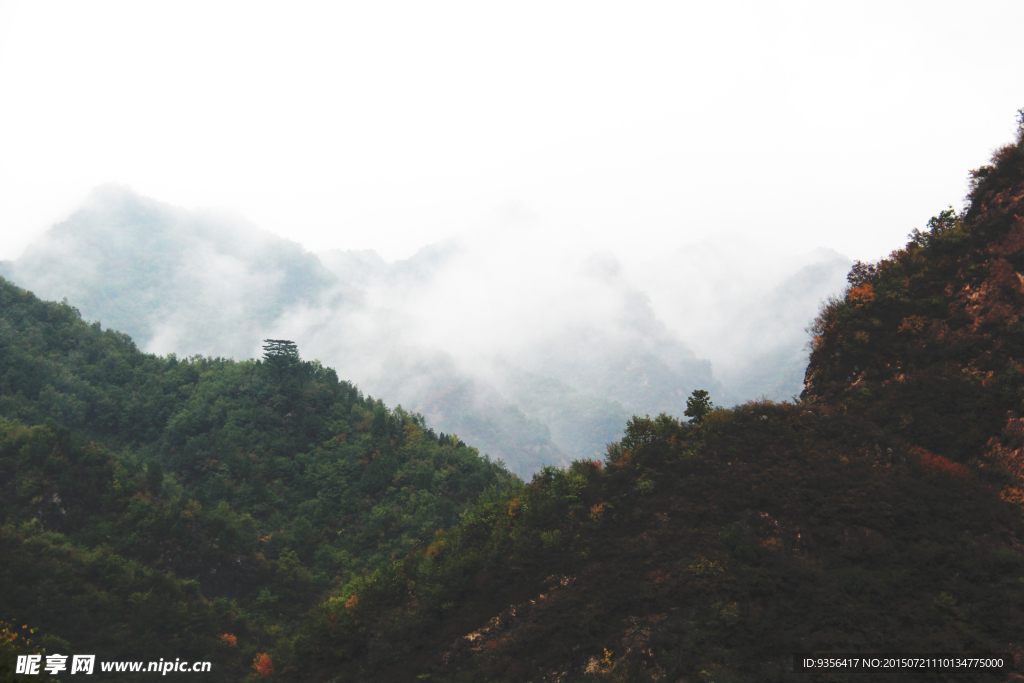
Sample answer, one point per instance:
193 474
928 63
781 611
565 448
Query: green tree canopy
698 406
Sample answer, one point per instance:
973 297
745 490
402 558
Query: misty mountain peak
592 338
170 277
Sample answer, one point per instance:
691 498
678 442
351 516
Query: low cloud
528 345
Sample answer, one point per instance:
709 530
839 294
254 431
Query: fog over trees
534 351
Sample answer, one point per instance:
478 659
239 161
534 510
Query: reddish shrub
263 664
936 464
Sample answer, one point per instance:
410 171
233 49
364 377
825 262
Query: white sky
628 126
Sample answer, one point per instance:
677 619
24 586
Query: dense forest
882 512
265 516
153 505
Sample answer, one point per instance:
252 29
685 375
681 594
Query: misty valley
506 460
534 355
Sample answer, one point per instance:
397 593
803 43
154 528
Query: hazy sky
627 126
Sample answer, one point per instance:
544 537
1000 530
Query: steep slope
883 513
226 496
929 343
723 549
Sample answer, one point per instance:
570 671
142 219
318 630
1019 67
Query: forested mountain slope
535 370
721 548
929 342
278 523
882 513
226 496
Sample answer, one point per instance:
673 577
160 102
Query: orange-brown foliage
862 295
1013 495
912 325
229 639
263 664
937 464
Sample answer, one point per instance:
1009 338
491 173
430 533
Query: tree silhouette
698 406
282 355
280 349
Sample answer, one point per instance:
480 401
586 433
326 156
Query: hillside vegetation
534 370
150 505
882 513
929 342
720 548
284 527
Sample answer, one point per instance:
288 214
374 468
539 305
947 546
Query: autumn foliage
263 664
862 295
695 541
936 465
704 550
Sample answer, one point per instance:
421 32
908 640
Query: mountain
173 280
269 518
882 512
205 283
928 342
745 310
492 335
557 380
151 505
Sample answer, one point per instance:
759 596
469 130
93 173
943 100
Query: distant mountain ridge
882 512
169 278
193 282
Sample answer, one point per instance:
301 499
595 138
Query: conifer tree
698 406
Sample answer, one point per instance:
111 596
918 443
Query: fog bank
533 349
